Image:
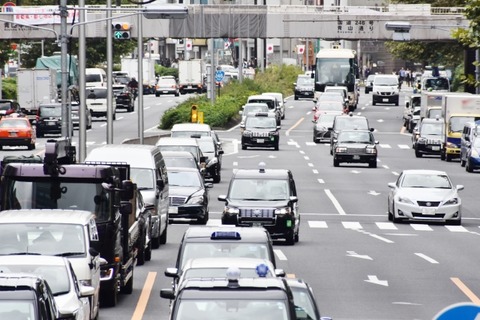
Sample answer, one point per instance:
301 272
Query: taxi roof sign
225 235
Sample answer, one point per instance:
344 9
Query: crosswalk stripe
214 222
456 228
385 146
421 227
352 225
386 226
317 224
403 146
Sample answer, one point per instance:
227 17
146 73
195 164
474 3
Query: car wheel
148 252
177 94
373 164
204 220
374 103
290 238
217 177
157 94
394 218
277 146
89 126
31 146
114 116
336 163
296 98
390 215
163 236
244 147
141 250
468 166
417 153
109 293
283 116
314 140
396 103
442 155
448 158
128 288
156 242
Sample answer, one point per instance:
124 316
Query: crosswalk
379 226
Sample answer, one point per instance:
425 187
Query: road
360 265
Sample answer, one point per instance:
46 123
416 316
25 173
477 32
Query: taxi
16 130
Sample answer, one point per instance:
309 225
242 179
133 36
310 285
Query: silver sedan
424 195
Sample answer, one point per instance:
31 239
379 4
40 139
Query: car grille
428 203
177 201
386 93
428 216
356 150
257 213
260 134
434 142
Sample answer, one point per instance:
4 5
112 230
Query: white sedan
424 195
70 297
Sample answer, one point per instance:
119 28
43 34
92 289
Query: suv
97 102
304 87
385 89
355 146
428 138
260 130
280 101
124 97
27 296
345 122
224 241
49 119
263 197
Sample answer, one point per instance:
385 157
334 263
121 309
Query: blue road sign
464 311
219 75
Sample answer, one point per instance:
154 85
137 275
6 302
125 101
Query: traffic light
194 114
121 30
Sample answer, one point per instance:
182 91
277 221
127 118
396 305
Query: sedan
322 123
304 300
70 296
473 155
124 97
424 195
17 131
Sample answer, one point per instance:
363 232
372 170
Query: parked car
124 97
17 131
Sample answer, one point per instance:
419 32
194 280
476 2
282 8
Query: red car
17 131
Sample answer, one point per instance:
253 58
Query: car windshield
437 84
188 134
259 189
184 178
304 304
17 309
167 82
434 113
182 162
192 149
305 81
56 276
385 81
416 101
13 123
413 180
456 124
269 102
50 111
222 249
355 137
42 238
144 178
432 129
96 93
95 77
232 309
260 122
5 105
350 123
254 109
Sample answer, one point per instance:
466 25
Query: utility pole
110 110
64 69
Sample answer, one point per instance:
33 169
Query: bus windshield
333 71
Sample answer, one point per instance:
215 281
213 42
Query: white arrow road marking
353 254
280 254
375 280
373 193
385 167
293 143
423 256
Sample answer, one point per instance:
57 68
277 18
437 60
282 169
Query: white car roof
191 127
31 260
424 171
58 216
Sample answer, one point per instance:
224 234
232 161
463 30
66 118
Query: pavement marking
280 254
381 238
385 146
293 143
456 228
306 157
302 152
403 146
320 181
351 225
423 256
395 173
317 224
144 296
310 143
235 164
386 226
103 124
335 202
146 108
421 227
294 126
385 167
466 291
315 171
214 222
310 165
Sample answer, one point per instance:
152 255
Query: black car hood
355 145
179 191
257 204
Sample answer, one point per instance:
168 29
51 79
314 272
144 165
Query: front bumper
435 149
415 212
190 212
271 141
279 226
356 158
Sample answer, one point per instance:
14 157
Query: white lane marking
403 146
355 171
353 254
315 171
317 224
386 226
421 227
146 108
385 146
90 143
395 173
280 254
235 163
293 143
374 279
423 256
373 193
158 104
385 166
320 181
380 120
381 238
306 157
310 165
335 202
214 222
301 151
310 143
456 228
119 118
103 124
351 225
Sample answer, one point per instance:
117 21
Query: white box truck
36 86
190 76
130 65
458 109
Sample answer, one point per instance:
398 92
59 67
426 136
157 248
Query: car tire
89 126
290 238
314 140
177 94
204 220
417 153
217 177
128 288
442 156
397 102
454 222
244 147
448 158
157 95
277 146
296 97
156 242
109 294
163 236
31 146
114 116
141 250
336 163
283 116
390 215
468 166
374 103
394 218
148 252
373 164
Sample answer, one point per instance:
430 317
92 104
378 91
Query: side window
293 189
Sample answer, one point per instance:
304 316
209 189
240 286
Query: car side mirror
167 294
376 142
460 187
372 129
171 272
392 185
293 199
222 197
279 127
407 105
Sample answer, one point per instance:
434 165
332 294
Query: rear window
96 93
93 78
50 111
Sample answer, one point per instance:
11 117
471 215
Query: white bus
337 67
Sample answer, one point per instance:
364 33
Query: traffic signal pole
110 110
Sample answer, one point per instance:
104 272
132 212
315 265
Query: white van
95 77
385 89
148 171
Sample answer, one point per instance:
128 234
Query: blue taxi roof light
225 235
262 270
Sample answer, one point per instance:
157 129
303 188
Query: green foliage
9 88
232 97
428 53
164 71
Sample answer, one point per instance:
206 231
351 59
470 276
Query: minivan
271 101
95 77
148 171
385 89
470 130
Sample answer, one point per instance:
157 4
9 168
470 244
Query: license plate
165 91
173 210
385 100
428 211
50 123
435 148
356 157
189 87
13 134
260 140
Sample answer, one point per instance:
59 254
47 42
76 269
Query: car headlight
286 210
405 200
340 149
86 282
371 150
451 201
451 145
195 200
212 162
231 210
421 141
247 133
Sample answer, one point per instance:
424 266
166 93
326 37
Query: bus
337 67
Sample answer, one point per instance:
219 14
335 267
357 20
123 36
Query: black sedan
188 195
124 97
355 146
